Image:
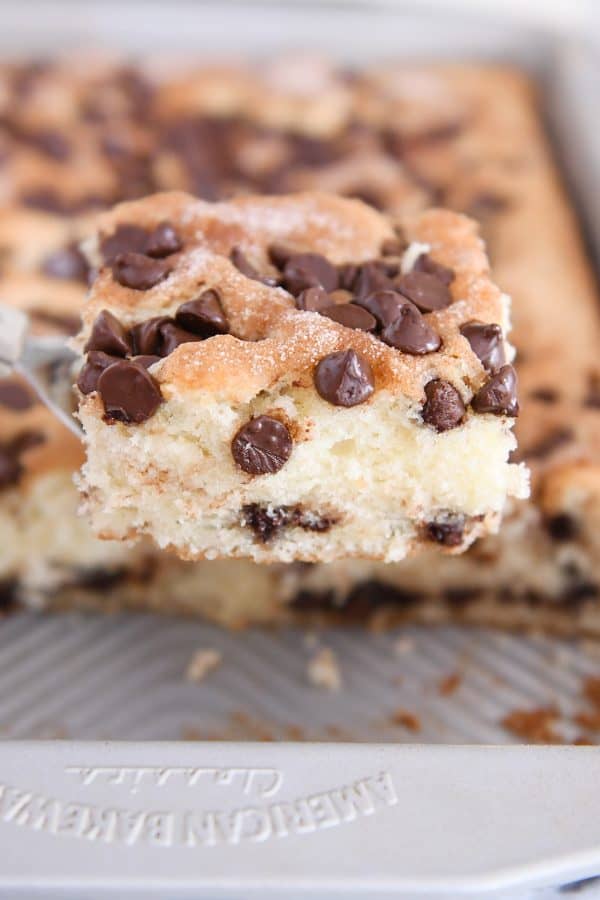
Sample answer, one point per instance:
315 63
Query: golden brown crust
292 341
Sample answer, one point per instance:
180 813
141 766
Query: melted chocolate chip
10 467
386 306
344 378
313 299
92 369
350 315
268 521
109 336
499 394
69 264
14 395
486 343
128 392
147 338
262 446
163 241
124 239
425 263
426 291
204 316
411 333
443 408
448 533
562 527
306 270
134 270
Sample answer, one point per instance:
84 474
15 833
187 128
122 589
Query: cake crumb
534 725
202 662
403 645
407 719
450 684
323 670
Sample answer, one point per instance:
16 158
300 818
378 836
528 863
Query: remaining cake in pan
286 378
402 137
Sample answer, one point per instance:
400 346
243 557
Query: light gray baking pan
119 778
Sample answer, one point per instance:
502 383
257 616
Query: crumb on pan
203 661
323 670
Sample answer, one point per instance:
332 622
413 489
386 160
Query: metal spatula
44 362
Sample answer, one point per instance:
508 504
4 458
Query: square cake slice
290 379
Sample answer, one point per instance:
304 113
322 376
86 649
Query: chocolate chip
499 394
347 275
134 270
204 315
50 143
386 306
350 315
425 263
124 239
426 291
486 343
556 438
305 270
393 247
449 533
344 378
25 440
15 396
592 398
279 255
65 323
171 337
128 392
92 369
109 336
69 264
444 408
411 333
487 204
10 467
562 527
243 264
546 395
262 446
163 241
47 200
313 299
146 336
145 360
371 277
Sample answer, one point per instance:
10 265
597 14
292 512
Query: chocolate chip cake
284 361
79 135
